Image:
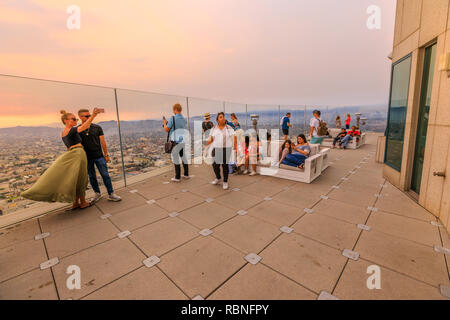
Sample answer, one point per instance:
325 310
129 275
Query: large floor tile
99 266
246 233
394 286
19 232
129 200
209 191
308 262
200 266
207 215
162 236
66 242
238 200
416 260
21 257
299 198
277 213
343 211
353 195
180 201
258 282
34 285
142 284
68 219
397 202
137 217
400 226
265 189
336 233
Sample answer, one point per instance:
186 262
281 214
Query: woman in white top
222 139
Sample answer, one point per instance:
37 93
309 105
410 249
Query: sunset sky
255 51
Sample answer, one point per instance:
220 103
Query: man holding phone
94 144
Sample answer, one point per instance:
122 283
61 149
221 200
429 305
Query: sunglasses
87 116
74 119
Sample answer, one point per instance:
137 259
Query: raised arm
88 123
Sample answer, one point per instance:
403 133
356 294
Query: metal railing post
120 137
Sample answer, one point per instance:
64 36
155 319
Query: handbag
169 145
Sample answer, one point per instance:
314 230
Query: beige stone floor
296 265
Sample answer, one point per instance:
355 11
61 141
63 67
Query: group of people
221 141
348 121
317 127
344 137
66 180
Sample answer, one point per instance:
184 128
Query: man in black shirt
93 141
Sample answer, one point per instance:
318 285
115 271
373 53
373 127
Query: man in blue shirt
285 124
176 126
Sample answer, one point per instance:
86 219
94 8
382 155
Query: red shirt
354 133
348 121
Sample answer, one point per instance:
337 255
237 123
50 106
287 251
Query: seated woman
286 149
300 152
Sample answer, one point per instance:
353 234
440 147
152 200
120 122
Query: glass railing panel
267 116
297 119
30 132
142 132
239 111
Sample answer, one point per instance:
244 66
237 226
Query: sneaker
225 185
245 172
97 197
186 177
114 197
175 180
253 173
215 181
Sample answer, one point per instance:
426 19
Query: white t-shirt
222 138
314 122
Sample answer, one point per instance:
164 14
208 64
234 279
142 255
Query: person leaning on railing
66 179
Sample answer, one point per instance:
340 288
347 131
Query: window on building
395 130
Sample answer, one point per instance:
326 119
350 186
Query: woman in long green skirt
66 179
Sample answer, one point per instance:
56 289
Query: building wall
420 23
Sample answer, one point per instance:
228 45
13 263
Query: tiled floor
296 265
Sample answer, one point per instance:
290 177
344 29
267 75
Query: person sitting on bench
349 137
295 156
341 135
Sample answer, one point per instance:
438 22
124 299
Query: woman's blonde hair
64 116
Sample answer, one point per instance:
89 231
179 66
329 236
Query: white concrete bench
357 142
270 166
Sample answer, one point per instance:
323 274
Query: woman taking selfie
66 179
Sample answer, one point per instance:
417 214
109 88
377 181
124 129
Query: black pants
177 153
221 157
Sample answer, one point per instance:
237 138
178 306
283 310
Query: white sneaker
253 173
175 180
215 181
245 172
97 197
225 185
114 197
186 177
